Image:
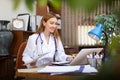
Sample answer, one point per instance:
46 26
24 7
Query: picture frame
18 24
26 18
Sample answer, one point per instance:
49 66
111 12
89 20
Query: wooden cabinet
6 68
18 37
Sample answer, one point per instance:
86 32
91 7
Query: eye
51 22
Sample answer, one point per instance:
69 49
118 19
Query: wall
7 12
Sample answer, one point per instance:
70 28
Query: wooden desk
45 76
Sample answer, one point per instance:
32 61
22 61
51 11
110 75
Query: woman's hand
69 58
33 64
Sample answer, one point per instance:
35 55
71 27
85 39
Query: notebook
81 58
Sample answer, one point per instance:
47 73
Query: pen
93 55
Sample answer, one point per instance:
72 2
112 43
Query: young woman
45 45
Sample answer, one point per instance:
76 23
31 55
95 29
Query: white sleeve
60 54
29 50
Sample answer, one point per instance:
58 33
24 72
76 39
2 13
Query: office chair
19 62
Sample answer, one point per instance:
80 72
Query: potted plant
110 23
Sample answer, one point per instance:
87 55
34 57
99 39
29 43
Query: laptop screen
81 57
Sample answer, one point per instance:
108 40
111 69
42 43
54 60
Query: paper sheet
61 63
64 69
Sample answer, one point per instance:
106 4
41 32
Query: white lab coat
38 49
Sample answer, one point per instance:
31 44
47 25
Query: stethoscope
39 37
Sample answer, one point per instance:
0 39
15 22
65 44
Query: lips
52 29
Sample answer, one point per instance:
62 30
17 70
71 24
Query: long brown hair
41 27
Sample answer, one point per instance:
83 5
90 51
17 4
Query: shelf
18 37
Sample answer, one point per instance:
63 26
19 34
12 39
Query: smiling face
50 25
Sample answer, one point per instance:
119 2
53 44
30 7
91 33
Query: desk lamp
96 34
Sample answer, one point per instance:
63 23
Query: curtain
69 25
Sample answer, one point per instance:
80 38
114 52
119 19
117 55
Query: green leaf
42 3
29 4
114 46
55 3
88 5
16 4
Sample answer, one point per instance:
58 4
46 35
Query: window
83 38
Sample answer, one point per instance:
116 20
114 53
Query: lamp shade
96 33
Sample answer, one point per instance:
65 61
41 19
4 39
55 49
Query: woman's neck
47 36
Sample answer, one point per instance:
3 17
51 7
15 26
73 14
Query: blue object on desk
93 56
80 69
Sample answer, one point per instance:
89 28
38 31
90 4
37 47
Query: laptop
81 58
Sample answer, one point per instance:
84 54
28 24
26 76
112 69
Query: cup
99 62
92 62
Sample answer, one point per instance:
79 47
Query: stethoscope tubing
39 36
